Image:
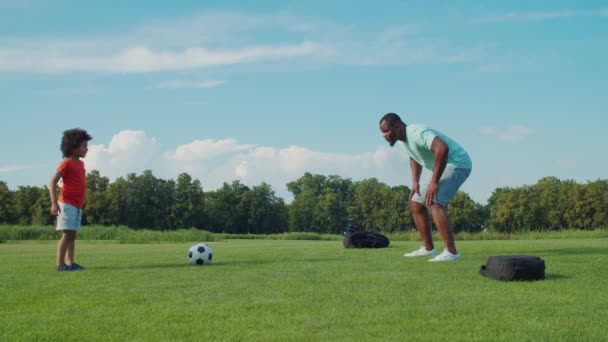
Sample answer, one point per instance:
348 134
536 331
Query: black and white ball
200 254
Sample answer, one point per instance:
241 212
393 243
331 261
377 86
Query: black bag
355 238
514 267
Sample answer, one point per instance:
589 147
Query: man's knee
437 208
417 208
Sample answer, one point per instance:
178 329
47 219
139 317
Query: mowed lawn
301 290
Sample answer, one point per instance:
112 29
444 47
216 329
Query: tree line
323 204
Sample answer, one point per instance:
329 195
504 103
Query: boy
68 207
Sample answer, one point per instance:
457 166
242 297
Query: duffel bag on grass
514 267
355 238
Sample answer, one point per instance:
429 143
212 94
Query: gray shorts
69 217
451 180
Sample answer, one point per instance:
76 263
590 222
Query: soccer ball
200 254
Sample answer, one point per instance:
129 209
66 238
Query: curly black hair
72 139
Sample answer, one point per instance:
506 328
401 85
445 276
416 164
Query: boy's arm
53 193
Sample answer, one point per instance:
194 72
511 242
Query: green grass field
280 290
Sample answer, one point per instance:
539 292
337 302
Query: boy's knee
69 234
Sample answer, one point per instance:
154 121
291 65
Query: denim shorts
451 180
69 217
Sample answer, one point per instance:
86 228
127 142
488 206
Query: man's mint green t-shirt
418 140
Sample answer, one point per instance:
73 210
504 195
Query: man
449 166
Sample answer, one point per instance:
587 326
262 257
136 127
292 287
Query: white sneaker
421 252
446 256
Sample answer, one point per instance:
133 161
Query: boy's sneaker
62 267
75 267
421 252
446 256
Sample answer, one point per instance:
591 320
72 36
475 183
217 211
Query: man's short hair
391 119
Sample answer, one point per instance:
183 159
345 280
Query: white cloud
214 162
278 166
488 131
512 133
492 68
14 168
567 163
140 59
540 16
220 39
176 84
516 133
128 151
205 149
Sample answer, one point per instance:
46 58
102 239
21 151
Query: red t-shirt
74 182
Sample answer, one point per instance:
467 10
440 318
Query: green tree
264 212
96 209
400 214
189 206
579 214
502 203
142 201
306 191
96 182
376 206
547 201
25 203
371 203
320 203
40 209
117 198
225 211
149 200
465 214
7 205
599 197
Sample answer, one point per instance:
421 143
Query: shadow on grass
555 276
312 260
223 263
136 267
241 262
548 277
574 251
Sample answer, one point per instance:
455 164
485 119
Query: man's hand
415 190
431 193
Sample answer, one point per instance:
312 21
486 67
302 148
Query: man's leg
423 224
442 221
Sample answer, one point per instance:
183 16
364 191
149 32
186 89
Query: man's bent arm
416 170
440 149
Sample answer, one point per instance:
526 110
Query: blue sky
265 91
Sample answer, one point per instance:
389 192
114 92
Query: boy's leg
69 255
62 247
68 221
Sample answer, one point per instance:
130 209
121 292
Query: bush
122 234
